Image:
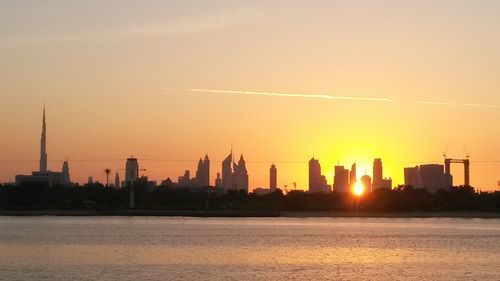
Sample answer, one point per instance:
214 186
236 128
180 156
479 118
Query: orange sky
116 78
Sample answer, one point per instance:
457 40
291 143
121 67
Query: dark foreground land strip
143 213
164 213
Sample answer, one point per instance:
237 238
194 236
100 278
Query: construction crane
446 150
466 152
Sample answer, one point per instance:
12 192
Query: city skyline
281 81
235 174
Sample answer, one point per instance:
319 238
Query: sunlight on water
247 249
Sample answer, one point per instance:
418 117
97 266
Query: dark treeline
98 197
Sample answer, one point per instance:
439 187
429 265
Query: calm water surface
141 248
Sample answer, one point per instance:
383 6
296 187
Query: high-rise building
412 177
352 176
386 183
218 181
377 173
317 182
366 181
131 171
44 176
43 145
65 178
341 179
273 173
227 172
203 172
117 180
235 176
240 175
433 177
184 180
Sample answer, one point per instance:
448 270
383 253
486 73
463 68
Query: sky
282 81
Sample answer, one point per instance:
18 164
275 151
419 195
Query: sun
358 189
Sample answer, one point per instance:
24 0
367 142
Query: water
141 248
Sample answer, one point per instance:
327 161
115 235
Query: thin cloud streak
460 104
192 25
295 95
329 97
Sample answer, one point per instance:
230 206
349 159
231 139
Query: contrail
295 95
460 104
328 97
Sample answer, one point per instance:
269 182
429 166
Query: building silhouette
185 180
317 182
273 174
377 173
44 176
378 180
131 171
218 181
227 172
412 177
43 145
65 177
203 172
366 181
117 180
429 176
234 175
447 170
341 179
240 175
352 176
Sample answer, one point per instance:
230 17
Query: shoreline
167 213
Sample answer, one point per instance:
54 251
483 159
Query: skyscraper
433 177
412 177
352 175
377 173
273 173
218 181
117 180
44 176
234 175
240 175
203 172
65 178
341 179
227 172
43 144
131 171
317 182
366 181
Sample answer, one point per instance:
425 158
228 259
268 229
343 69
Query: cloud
294 95
201 23
329 97
172 27
460 104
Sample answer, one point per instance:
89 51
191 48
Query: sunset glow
170 81
358 189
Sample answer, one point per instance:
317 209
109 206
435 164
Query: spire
43 140
117 180
65 173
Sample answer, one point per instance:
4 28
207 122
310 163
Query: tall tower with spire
43 144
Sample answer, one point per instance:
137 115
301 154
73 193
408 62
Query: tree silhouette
107 171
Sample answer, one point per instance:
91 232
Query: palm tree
107 171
